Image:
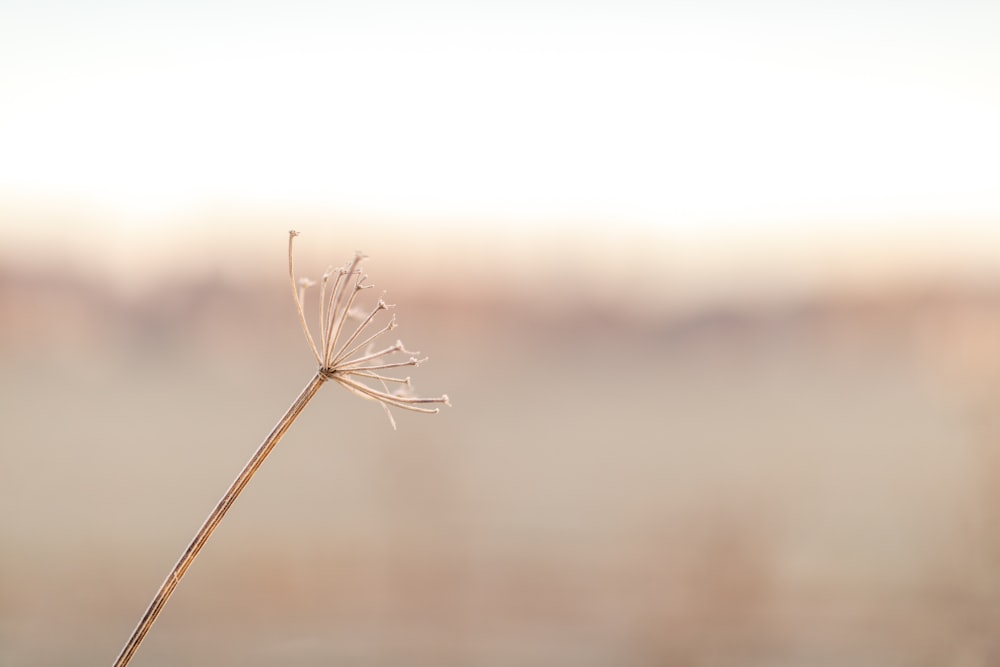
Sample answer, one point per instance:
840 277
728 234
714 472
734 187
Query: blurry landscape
713 288
629 476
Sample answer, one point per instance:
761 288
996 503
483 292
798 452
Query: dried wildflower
346 354
350 359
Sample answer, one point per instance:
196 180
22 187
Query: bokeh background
713 287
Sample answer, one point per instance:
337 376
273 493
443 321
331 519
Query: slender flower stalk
352 363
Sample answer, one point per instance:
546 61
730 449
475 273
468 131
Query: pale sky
670 115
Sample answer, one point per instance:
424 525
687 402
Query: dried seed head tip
346 352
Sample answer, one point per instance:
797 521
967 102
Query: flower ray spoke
331 312
376 376
412 361
380 306
298 297
340 358
331 343
403 402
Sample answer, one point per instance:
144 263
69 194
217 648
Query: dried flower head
346 351
346 354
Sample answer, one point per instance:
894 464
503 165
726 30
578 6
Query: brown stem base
206 530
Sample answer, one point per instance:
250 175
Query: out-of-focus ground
806 480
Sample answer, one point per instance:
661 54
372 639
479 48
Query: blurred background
713 287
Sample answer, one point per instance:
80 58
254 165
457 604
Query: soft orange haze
585 256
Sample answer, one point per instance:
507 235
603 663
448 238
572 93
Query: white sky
671 115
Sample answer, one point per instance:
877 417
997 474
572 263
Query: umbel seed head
346 350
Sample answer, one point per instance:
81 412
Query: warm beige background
629 476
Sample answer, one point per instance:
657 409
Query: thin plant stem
206 530
334 364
